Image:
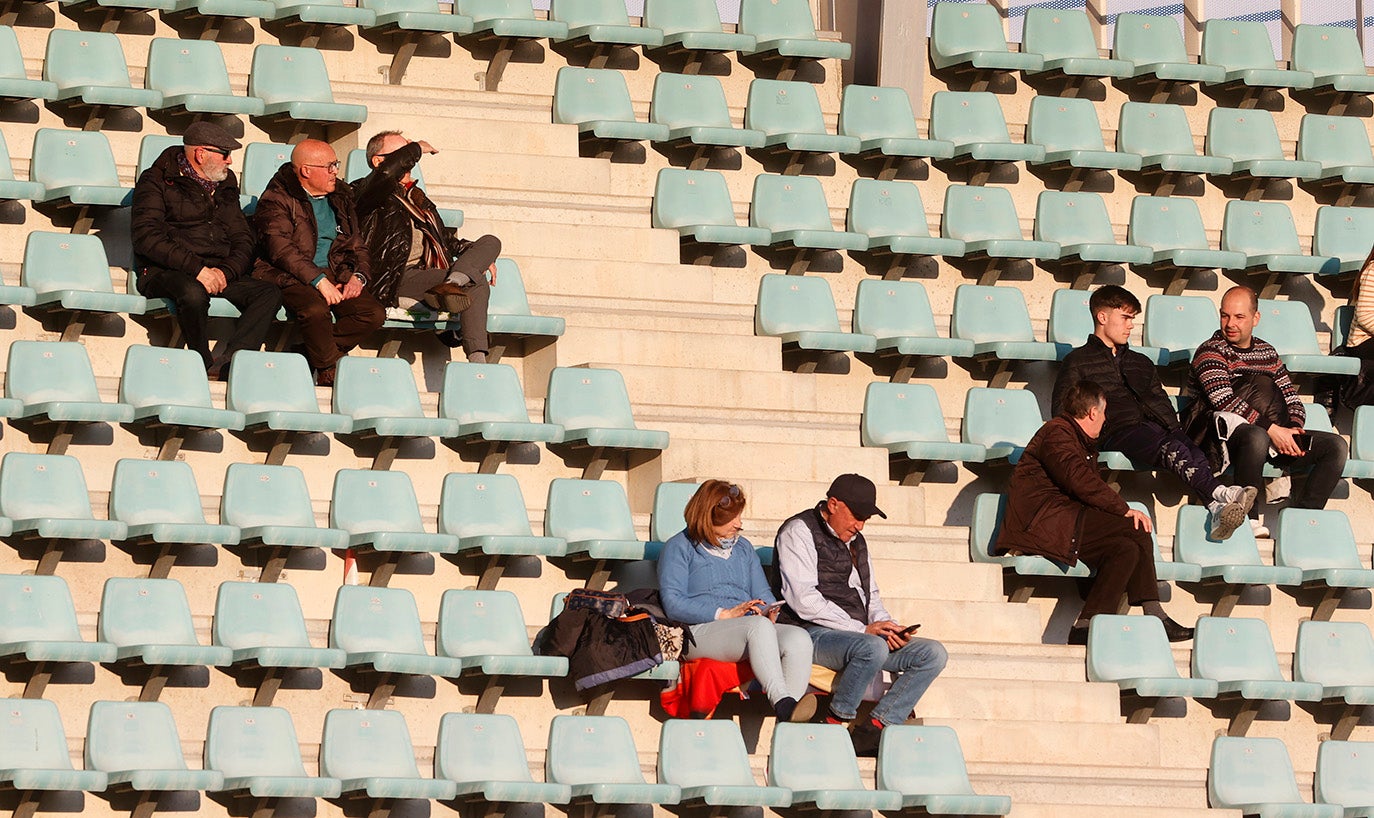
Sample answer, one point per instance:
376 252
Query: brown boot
325 377
448 297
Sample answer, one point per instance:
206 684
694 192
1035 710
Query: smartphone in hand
908 631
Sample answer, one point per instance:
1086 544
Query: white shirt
799 582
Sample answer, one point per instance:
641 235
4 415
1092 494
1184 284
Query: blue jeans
859 657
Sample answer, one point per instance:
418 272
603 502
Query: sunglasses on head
727 498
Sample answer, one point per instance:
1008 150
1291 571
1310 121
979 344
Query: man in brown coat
1059 507
310 246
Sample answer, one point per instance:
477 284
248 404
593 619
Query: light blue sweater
693 583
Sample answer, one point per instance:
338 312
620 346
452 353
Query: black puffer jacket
176 225
287 230
1134 392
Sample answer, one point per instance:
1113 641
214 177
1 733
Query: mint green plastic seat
70 272
1343 233
150 147
1172 227
995 319
1255 776
271 507
486 512
274 390
789 116
380 395
1322 545
262 624
602 22
38 626
13 189
1266 234
971 34
14 81
149 623
487 631
893 217
1133 653
694 109
1243 50
191 75
34 756
1166 571
54 382
1288 326
696 203
293 84
816 762
510 18
670 506
487 402
1064 40
44 496
1332 55
370 753
898 315
380 512
1340 145
1068 129
786 28
508 310
906 419
261 9
593 518
800 310
597 101
1159 134
1001 420
1239 655
484 755
89 66
794 211
76 166
973 121
593 407
596 757
256 750
1079 224
416 15
988 510
693 25
1153 44
925 765
883 121
1339 656
379 628
1071 323
1249 138
261 160
985 220
159 502
1361 462
136 745
168 387
1235 560
1344 775
707 760
322 12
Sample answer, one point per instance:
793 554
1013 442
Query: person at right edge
1332 390
1060 508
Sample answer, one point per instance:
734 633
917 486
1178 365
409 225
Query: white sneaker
1226 518
1261 533
1244 495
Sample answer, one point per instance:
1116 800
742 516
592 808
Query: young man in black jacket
1141 423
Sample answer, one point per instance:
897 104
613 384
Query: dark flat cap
210 135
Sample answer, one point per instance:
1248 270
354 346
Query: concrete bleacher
734 405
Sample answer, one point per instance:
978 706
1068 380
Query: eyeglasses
333 167
728 498
222 152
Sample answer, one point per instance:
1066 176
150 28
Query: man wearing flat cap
827 581
191 241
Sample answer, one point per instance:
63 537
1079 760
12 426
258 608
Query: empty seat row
1256 774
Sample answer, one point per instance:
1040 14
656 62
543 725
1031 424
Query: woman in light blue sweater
710 578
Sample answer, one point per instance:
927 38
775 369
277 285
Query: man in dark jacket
1059 507
414 256
1141 423
191 241
311 247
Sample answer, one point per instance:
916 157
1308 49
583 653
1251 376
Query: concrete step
654 316
996 660
1014 742
666 348
1016 700
927 580
1088 784
579 283
958 620
1060 810
756 390
627 244
810 462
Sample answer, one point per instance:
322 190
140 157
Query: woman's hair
715 503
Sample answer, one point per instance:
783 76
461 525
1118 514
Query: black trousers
1123 557
1249 449
1148 442
257 301
329 332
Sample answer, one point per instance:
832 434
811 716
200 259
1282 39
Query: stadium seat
602 23
696 203
1343 775
43 497
371 754
968 36
149 623
925 765
1078 223
1265 234
1243 50
1064 39
14 81
380 512
883 121
786 29
271 508
77 168
1159 134
484 754
1164 571
256 750
1332 55
669 513
1249 138
264 627
54 383
973 122
1154 45
486 629
1288 326
150 147
509 317
1340 145
1172 227
1068 129
214 10
136 745
89 68
906 419
275 392
985 220
486 512
112 8
1019 569
39 630
693 25
1239 655
596 757
170 393
488 405
1339 656
794 211
890 213
35 758
1343 233
597 101
379 630
1133 653
70 274
261 160
1234 563
708 762
694 109
510 18
789 116
380 396
816 762
995 319
191 75
416 15
898 315
593 407
12 189
1255 776
1071 323
593 518
293 84
1361 462
801 311
1001 420
160 503
321 13
1322 545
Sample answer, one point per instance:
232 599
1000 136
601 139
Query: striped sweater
1217 362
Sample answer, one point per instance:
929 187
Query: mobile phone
776 606
1303 441
909 630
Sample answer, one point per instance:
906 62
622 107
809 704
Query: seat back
590 94
591 750
589 12
685 198
1167 223
289 74
1362 434
1288 326
366 744
964 117
703 753
984 314
777 19
1191 543
1064 123
1128 647
477 623
265 495
893 309
1327 50
186 67
979 213
1345 773
1143 39
588 510
62 158
510 298
482 10
31 735
580 398
1237 44
683 101
479 393
480 747
1230 649
393 6
158 375
1254 228
915 760
1150 129
36 608
124 736
897 413
1071 320
1334 654
155 491
1072 218
367 501
789 203
63 261
1334 141
1311 539
258 615
886 208
1344 233
150 147
959 28
252 741
375 619
145 612
260 161
871 112
794 304
475 505
1247 771
78 58
985 525
376 387
1058 33
813 757
1242 133
1178 321
680 16
42 371
12 59
42 485
998 417
670 506
270 382
777 107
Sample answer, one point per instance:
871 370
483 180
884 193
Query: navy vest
833 566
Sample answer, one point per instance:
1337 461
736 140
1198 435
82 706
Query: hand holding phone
908 631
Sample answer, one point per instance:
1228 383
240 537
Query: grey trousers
473 263
779 654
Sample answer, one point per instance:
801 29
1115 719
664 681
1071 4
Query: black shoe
450 338
1176 632
866 738
1079 635
784 708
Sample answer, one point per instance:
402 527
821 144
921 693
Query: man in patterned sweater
1256 410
